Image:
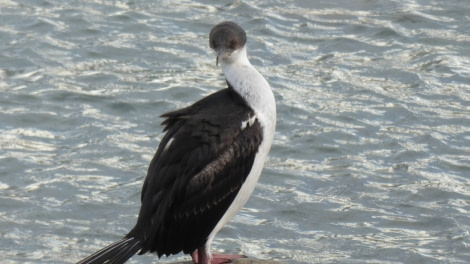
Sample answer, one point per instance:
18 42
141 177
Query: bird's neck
249 83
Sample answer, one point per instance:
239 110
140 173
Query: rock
244 261
255 261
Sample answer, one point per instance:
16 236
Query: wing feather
196 173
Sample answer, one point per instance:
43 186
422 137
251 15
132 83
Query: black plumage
206 165
191 182
197 171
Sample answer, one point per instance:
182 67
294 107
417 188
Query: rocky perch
245 261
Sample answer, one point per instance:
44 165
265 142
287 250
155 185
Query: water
370 162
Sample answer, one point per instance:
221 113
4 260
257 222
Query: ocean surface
371 157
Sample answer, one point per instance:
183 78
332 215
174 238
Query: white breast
255 90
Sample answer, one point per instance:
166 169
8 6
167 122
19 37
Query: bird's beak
220 54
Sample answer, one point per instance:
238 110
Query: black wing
197 171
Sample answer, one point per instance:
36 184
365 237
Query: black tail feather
116 253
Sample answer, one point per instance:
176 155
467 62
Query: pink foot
216 258
224 258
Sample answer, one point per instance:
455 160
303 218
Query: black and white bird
207 164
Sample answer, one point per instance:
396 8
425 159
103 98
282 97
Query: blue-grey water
371 158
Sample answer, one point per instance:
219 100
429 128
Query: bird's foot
216 258
224 258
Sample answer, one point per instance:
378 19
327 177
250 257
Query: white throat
250 84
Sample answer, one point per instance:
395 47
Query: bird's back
198 169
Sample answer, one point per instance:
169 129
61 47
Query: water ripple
370 158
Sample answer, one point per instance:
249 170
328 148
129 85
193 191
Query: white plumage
257 92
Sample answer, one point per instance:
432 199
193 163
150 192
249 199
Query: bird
206 165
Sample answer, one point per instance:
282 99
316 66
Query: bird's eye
233 44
